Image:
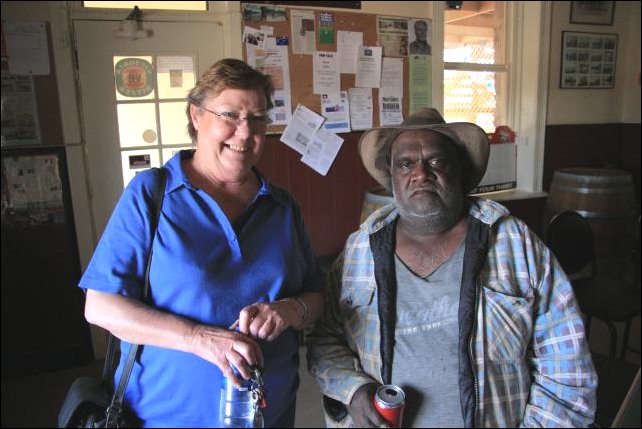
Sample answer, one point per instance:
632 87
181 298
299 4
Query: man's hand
268 320
362 410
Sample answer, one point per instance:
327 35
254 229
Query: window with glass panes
151 99
475 70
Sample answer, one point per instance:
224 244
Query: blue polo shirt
206 269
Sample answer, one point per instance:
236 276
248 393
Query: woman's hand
223 348
135 322
268 320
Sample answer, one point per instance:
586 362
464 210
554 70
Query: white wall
631 67
29 11
597 106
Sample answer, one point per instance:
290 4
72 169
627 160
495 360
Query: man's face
421 30
425 177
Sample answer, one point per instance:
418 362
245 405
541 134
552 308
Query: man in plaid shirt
448 297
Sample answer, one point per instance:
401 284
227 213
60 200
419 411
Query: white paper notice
252 36
360 108
274 63
322 151
270 42
368 67
326 77
392 77
348 43
392 34
336 111
19 111
267 30
303 34
166 64
301 129
26 43
277 66
390 110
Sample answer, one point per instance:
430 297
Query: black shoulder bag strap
115 408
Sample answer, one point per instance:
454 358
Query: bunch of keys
258 395
258 389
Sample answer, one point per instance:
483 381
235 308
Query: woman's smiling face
231 130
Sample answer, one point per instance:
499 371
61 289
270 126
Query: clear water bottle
241 407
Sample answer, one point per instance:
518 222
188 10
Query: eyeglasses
233 119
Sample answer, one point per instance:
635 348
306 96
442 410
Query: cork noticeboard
301 79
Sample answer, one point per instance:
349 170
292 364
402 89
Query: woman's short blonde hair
225 74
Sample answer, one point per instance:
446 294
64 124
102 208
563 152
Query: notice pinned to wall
19 112
31 190
303 34
26 47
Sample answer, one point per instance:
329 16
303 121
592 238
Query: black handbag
93 403
85 404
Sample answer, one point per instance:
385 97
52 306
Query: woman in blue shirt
232 277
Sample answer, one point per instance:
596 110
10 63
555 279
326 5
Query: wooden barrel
606 198
374 199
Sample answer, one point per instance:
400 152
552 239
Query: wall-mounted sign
140 161
134 77
24 45
19 111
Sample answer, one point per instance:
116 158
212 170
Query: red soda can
390 402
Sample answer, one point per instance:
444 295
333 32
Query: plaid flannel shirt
524 358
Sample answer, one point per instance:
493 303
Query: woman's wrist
301 311
304 309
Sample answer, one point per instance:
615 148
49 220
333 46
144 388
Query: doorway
132 103
133 98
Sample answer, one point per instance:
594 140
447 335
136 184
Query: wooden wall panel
631 157
331 205
592 145
584 145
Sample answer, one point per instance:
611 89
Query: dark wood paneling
331 204
47 101
349 189
43 326
592 145
586 145
630 157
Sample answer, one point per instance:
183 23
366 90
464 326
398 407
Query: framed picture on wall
592 12
588 60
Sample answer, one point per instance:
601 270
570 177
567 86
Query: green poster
326 28
420 81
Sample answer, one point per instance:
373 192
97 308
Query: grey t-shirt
426 363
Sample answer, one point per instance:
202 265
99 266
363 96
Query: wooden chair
608 299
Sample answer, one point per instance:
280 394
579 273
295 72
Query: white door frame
62 13
226 14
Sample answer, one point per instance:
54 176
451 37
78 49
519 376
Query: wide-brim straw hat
469 136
